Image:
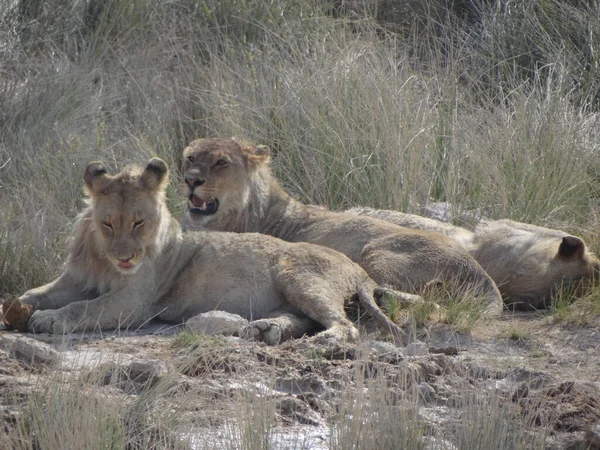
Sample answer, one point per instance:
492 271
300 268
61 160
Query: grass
480 116
459 307
496 108
580 311
462 314
75 409
518 333
186 338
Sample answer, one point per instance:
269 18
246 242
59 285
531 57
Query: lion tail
367 301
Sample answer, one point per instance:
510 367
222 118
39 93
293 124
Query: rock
29 350
298 411
147 371
385 351
216 322
309 383
426 392
381 348
442 336
592 438
441 211
448 350
416 349
131 376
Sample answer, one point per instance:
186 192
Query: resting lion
230 187
528 263
130 262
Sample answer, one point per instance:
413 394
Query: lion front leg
56 294
109 311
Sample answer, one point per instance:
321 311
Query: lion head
126 212
532 264
221 176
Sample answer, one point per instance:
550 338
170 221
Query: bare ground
523 369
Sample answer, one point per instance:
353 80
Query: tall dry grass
495 110
494 106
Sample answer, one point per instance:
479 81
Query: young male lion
529 264
230 187
129 262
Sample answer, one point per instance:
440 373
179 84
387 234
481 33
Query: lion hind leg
279 327
339 332
367 301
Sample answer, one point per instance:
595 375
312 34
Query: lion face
126 211
216 175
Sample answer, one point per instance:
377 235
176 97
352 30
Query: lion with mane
230 187
130 262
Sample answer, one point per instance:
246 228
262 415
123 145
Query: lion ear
155 175
192 145
259 154
571 247
95 176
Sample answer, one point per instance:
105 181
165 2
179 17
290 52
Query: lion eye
191 158
221 163
138 224
107 225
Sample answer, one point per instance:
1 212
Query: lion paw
264 330
47 321
336 335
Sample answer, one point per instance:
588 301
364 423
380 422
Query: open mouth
203 207
125 265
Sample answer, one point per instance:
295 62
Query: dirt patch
543 381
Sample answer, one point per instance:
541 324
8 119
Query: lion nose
194 182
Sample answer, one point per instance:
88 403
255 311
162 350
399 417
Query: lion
230 187
130 262
531 265
416 222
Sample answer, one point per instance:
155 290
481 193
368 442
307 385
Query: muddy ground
523 369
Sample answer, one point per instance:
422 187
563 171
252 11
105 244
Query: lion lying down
230 187
129 262
529 264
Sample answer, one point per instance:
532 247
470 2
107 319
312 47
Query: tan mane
230 187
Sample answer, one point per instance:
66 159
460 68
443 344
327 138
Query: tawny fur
236 176
529 264
130 262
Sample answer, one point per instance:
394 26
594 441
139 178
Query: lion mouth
203 207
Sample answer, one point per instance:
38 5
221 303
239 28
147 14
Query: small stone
416 349
147 371
310 383
447 350
426 392
385 351
592 438
216 322
381 347
29 350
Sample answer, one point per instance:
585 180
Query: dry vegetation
484 104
